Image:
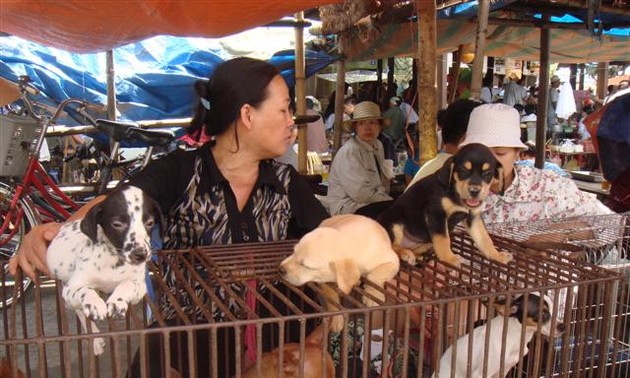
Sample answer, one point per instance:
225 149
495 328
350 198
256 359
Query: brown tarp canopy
567 45
96 25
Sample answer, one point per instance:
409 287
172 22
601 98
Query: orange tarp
97 25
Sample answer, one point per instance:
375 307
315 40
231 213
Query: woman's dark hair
233 84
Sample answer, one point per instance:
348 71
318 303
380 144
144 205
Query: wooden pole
442 69
390 81
573 68
111 90
480 48
427 92
457 63
300 90
111 85
602 80
379 81
340 90
543 96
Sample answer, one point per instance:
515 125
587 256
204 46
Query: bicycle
36 198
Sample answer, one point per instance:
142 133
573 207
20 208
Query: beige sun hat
554 79
364 111
494 125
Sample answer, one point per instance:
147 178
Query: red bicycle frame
35 176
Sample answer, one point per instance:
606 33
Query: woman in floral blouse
528 194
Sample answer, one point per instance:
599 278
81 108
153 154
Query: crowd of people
232 190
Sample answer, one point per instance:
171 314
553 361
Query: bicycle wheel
10 241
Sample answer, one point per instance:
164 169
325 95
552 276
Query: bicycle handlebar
26 88
25 85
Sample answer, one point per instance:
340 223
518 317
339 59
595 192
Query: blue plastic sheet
154 78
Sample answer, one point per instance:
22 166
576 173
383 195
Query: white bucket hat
494 125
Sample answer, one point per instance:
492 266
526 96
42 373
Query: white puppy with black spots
106 251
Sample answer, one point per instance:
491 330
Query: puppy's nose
281 270
138 255
474 191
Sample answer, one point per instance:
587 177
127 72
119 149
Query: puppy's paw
117 308
504 257
98 346
407 256
94 309
337 323
453 259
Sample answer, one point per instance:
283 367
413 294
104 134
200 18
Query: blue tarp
154 78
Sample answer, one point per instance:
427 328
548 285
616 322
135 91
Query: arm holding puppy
32 253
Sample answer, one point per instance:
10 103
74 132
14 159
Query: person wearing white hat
526 193
359 178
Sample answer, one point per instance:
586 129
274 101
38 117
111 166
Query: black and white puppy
106 251
529 312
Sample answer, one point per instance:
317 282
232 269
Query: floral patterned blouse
540 194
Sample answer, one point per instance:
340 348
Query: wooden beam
457 63
602 8
543 97
480 47
546 24
602 80
427 92
300 91
340 91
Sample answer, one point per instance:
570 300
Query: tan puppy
314 347
343 249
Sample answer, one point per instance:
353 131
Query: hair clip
205 103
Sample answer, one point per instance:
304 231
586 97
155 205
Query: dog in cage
528 312
106 252
422 218
315 348
341 250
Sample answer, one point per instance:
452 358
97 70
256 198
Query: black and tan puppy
429 210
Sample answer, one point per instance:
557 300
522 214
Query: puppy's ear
501 306
497 185
445 174
346 273
157 214
90 222
317 335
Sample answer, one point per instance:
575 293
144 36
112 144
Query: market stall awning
89 26
567 45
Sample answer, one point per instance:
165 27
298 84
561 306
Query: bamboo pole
543 96
427 92
442 69
111 91
340 91
391 64
300 91
111 85
480 48
457 63
602 80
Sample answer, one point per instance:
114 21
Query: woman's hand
32 253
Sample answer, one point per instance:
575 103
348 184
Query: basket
18 138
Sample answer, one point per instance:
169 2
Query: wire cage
602 240
224 311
